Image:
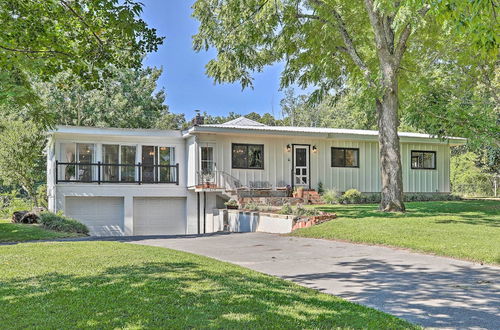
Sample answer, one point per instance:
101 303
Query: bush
59 222
330 196
321 190
303 212
41 196
351 196
11 203
252 206
286 209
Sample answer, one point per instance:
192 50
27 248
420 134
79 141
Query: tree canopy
381 47
127 99
43 37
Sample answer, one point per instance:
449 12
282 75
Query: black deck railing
116 173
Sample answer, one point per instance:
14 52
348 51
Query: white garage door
102 215
159 216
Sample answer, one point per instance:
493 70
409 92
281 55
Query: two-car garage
105 216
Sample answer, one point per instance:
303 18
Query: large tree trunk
390 156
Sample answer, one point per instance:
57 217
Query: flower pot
232 207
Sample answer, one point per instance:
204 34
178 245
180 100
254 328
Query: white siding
366 178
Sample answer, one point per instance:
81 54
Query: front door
300 166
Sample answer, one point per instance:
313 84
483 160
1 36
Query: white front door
301 165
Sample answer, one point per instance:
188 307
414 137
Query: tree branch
402 42
349 48
65 4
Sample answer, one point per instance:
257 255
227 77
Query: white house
168 182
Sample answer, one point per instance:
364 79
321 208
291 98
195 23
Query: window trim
345 149
247 145
424 168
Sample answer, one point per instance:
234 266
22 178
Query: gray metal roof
242 121
320 130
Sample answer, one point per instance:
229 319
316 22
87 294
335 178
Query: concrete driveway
427 290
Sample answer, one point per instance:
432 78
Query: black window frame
247 145
344 149
423 168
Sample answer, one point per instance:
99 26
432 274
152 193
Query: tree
42 38
126 99
348 109
21 149
467 178
328 44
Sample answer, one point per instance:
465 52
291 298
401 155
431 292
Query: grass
119 285
17 232
461 229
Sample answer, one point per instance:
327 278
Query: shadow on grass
175 295
454 297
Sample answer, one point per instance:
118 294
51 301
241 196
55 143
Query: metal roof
242 121
321 130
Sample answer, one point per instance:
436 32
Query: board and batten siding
366 178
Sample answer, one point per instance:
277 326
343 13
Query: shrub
321 190
41 196
11 204
351 196
286 209
330 196
252 206
59 222
303 212
232 203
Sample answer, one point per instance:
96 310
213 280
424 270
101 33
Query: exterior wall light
314 149
288 148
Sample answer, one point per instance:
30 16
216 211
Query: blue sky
184 79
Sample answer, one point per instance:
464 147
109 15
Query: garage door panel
159 216
102 215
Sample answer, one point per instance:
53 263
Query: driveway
427 290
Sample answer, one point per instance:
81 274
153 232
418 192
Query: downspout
198 217
204 212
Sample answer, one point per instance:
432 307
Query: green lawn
120 285
461 229
16 232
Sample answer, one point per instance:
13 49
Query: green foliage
41 195
351 196
301 211
46 37
252 206
59 222
467 179
128 98
12 202
286 209
320 190
231 202
330 196
21 155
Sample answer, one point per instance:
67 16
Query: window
85 155
207 159
151 156
110 155
122 155
127 157
423 160
248 156
345 157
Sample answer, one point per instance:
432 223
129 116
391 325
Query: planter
232 207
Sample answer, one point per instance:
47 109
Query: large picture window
423 160
345 157
248 156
